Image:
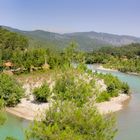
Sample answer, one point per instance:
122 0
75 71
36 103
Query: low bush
42 93
104 96
66 121
125 88
10 91
72 89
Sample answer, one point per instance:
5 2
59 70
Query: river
14 127
128 119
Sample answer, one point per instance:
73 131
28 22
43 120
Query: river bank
115 104
127 119
100 67
30 110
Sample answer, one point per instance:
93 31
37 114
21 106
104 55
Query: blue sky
111 16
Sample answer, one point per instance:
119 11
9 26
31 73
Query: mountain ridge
86 40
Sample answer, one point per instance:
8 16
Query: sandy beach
133 73
114 105
30 110
100 67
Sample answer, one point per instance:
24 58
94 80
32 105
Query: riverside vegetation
124 59
72 114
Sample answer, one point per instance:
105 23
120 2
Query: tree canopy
65 121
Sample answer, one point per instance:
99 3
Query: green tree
65 121
42 93
10 91
70 53
72 89
125 88
10 42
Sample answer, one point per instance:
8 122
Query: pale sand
28 109
107 69
114 105
133 73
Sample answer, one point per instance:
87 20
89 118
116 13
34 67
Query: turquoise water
128 119
14 126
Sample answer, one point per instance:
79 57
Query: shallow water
14 126
128 119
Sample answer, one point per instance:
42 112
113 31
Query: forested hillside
86 41
15 51
10 43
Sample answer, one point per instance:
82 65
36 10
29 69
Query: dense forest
22 58
15 48
124 59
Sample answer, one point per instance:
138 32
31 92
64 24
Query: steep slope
86 40
115 40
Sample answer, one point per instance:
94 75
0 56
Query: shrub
114 93
82 67
65 121
114 85
125 88
42 93
111 81
104 96
10 91
111 87
72 89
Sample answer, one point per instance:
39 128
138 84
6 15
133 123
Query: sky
110 16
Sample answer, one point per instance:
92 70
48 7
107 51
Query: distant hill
86 40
